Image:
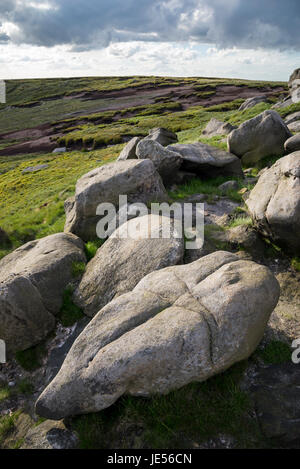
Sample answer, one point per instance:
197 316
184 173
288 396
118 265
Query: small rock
59 150
251 102
129 151
34 169
229 185
292 144
216 127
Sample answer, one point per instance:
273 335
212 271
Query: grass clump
25 387
7 425
295 263
69 313
32 358
4 393
91 248
78 269
240 221
276 352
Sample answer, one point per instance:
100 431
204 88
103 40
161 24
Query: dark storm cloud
88 24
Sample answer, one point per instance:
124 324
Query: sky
254 39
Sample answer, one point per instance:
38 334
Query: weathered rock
246 238
292 144
228 185
274 203
275 392
257 138
4 238
50 435
60 150
122 262
166 162
32 281
206 160
129 151
180 324
294 86
137 179
294 126
251 102
283 104
34 169
216 127
294 117
162 136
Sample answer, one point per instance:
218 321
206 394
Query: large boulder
138 179
251 102
206 160
294 117
180 324
163 136
32 281
216 127
294 86
257 138
274 203
123 261
129 151
166 162
292 144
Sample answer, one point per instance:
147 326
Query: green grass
276 352
7 425
69 313
295 263
4 392
240 221
32 358
91 248
194 413
78 269
25 387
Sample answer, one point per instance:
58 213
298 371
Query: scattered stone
294 126
162 136
166 162
274 203
32 281
50 435
179 325
129 151
34 169
216 127
137 179
60 150
229 185
292 144
251 102
122 262
258 138
206 160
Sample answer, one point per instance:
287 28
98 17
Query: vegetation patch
276 352
69 313
32 358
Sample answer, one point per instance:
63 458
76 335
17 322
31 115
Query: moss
69 313
32 358
276 352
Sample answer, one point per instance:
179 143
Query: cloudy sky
256 39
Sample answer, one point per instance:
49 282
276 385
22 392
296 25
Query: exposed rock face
129 151
162 136
294 86
251 102
50 435
137 179
275 394
274 203
122 262
180 324
166 162
292 144
257 138
216 127
32 281
294 117
207 160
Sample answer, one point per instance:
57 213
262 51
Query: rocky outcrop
162 136
180 324
216 127
137 179
292 144
32 281
274 203
129 151
206 160
294 86
123 261
166 162
258 138
251 102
